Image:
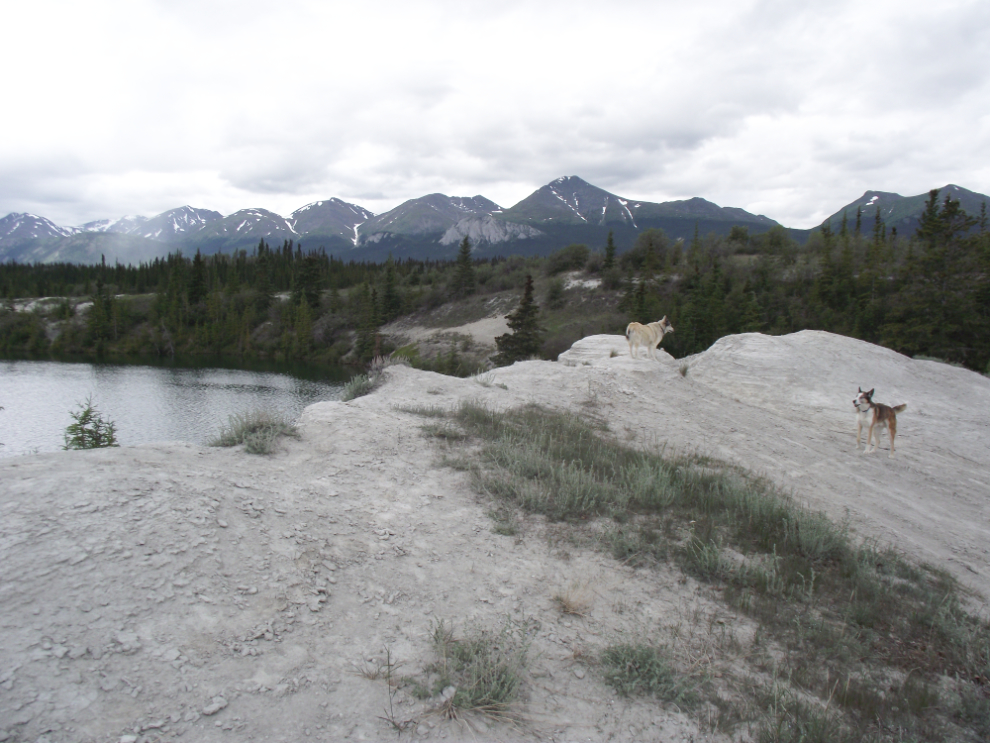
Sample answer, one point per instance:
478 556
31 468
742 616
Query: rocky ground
171 591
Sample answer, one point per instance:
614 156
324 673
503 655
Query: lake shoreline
147 403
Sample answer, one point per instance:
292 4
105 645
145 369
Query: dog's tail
900 408
628 330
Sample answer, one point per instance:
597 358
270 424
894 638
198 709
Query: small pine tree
367 339
609 263
527 336
90 430
639 303
464 280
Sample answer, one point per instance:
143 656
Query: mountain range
566 210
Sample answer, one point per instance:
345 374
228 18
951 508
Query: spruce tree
527 336
609 253
262 282
197 280
307 282
464 281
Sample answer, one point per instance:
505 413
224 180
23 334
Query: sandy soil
171 591
483 332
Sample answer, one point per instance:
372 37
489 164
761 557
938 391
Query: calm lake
147 403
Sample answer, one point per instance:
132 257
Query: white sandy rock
142 585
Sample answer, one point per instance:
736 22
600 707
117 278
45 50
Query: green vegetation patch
883 643
645 671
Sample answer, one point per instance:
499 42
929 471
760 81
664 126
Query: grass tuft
365 384
576 599
480 672
643 670
258 430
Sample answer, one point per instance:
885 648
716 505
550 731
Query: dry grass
576 599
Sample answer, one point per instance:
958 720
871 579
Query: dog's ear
860 390
870 393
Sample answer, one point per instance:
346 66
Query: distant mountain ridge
169 227
22 227
566 210
902 212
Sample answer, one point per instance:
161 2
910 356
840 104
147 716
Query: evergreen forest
926 294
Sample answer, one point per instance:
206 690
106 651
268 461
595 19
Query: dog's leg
859 430
892 430
869 440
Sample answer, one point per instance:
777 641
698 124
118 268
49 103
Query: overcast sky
788 109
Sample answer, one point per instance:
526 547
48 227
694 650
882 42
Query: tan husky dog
879 417
647 335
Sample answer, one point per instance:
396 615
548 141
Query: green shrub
358 386
90 430
555 298
571 258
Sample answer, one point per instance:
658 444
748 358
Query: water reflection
147 403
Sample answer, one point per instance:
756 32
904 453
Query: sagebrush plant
365 384
258 430
90 430
847 617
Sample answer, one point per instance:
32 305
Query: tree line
923 294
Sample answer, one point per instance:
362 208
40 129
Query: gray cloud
771 106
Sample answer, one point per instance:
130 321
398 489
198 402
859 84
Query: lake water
146 403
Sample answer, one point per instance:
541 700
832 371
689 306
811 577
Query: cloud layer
136 107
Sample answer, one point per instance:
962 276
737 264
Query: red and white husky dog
878 416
